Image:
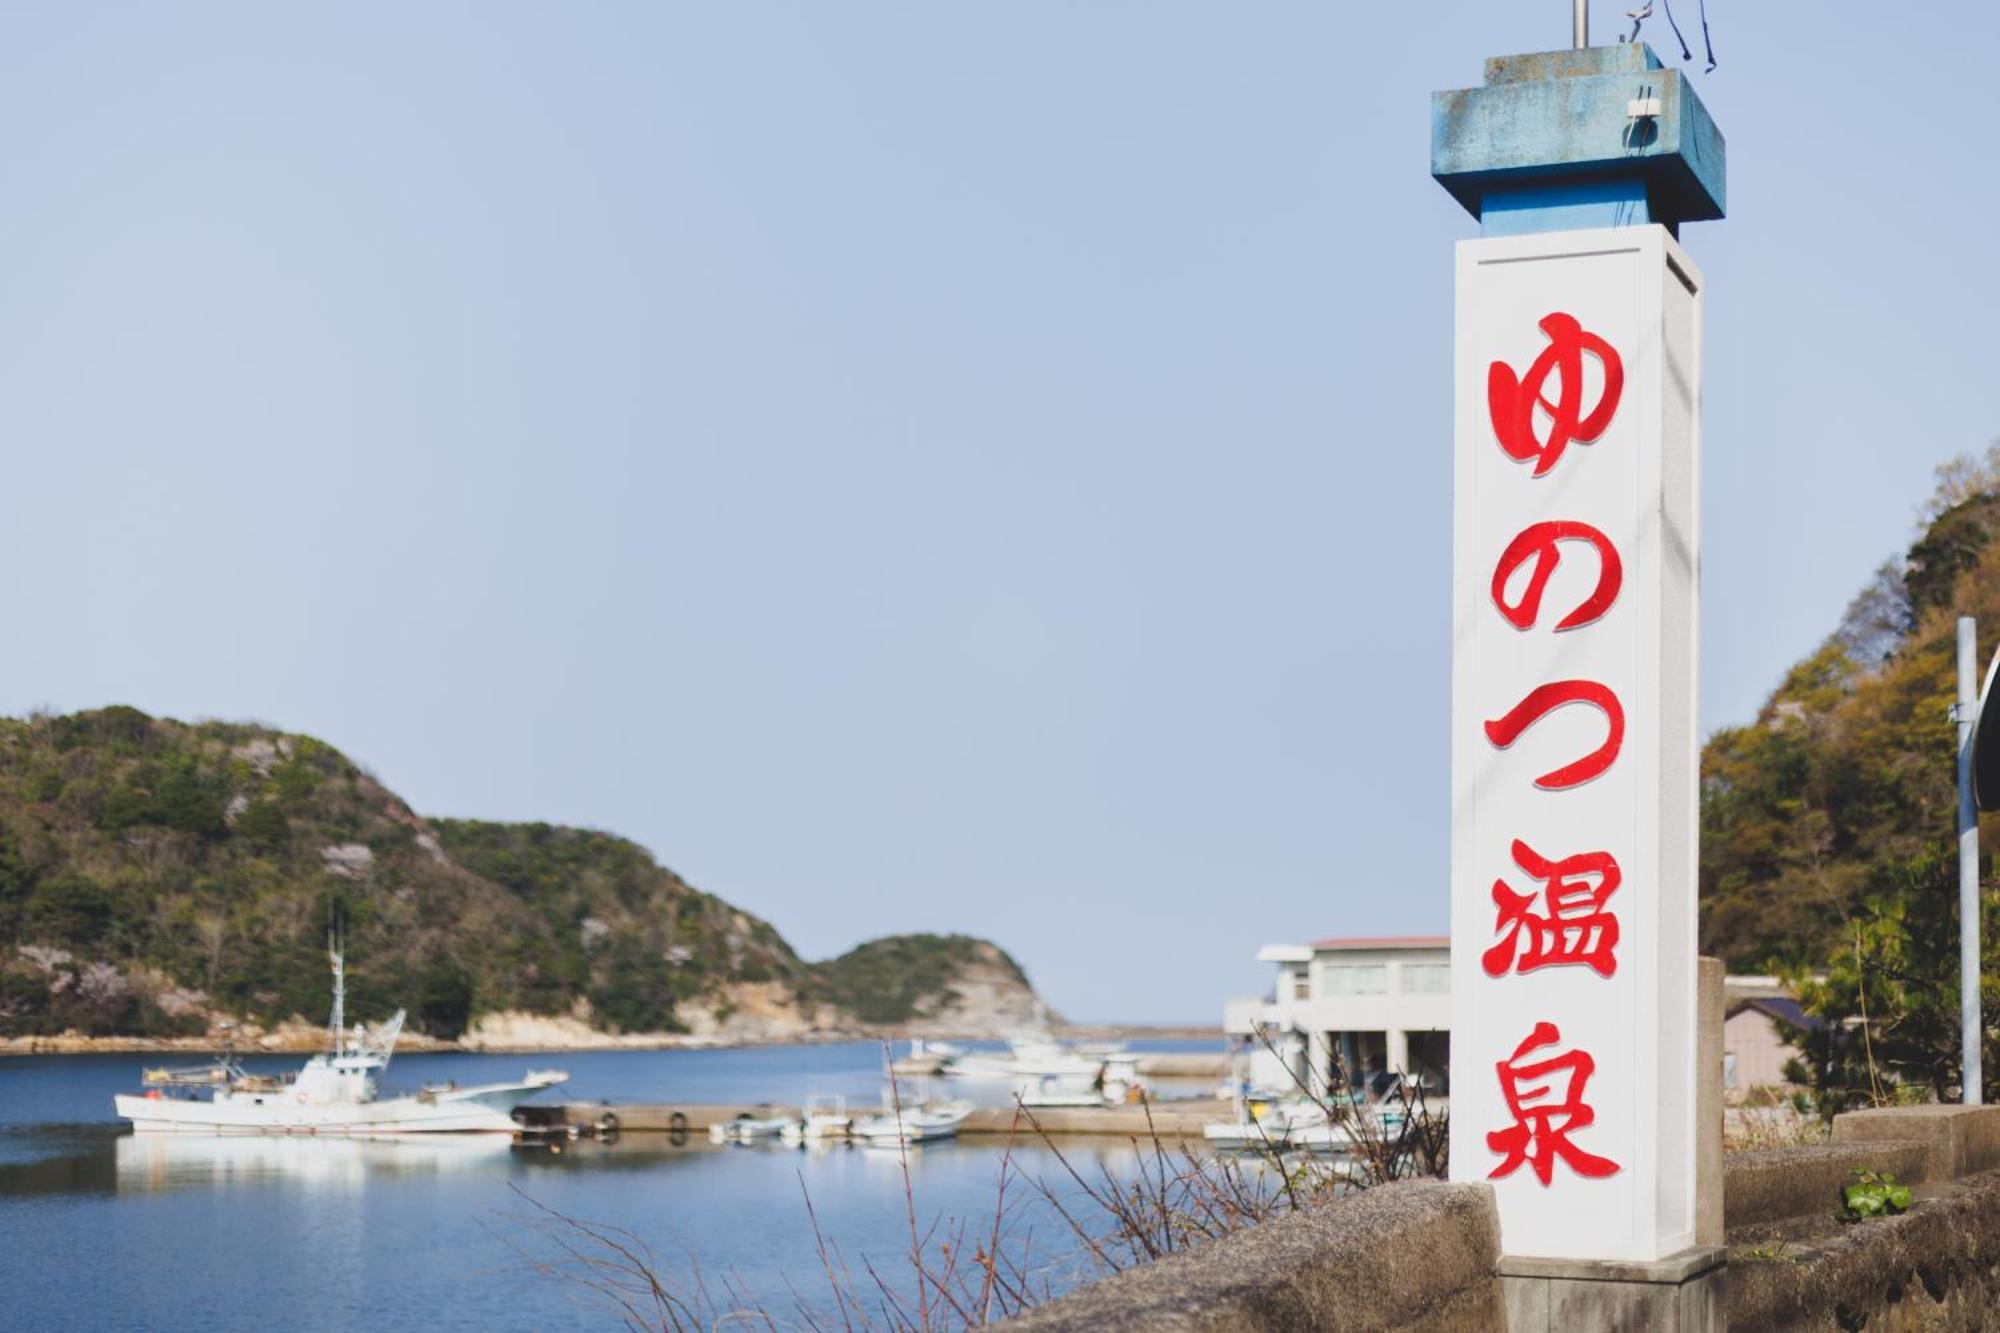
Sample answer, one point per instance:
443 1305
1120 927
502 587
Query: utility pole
1967 716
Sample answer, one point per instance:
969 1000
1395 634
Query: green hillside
904 976
154 874
1813 814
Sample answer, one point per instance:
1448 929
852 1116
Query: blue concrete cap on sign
1572 118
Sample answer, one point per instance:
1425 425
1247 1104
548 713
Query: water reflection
150 1163
111 1223
56 1159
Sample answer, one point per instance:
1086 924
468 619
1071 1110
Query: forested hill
1846 777
157 876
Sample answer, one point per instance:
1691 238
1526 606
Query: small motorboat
749 1127
926 1058
825 1118
1290 1126
913 1124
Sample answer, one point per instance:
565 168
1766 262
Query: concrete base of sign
1682 1293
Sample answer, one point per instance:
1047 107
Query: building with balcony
1351 1010
1358 1009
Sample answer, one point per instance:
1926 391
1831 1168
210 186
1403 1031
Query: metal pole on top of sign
1580 25
1967 714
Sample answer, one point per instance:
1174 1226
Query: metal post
1580 28
1968 865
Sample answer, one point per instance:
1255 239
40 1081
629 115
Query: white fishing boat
926 1058
1115 1083
1288 1126
1028 1057
913 1124
1245 1132
750 1127
825 1118
336 1093
1034 1053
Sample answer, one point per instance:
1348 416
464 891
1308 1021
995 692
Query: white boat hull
478 1110
891 1136
910 1127
750 1131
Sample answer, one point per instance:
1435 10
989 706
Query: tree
444 1000
1888 999
70 909
262 826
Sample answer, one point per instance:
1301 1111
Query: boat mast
339 1022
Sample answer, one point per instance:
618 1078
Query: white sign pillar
1574 750
1575 764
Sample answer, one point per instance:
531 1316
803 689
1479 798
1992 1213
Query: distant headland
165 884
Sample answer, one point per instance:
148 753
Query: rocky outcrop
986 998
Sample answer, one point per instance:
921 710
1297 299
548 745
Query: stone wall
1418 1256
1794 1268
1937 1267
1425 1256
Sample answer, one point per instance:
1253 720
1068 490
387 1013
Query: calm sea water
102 1230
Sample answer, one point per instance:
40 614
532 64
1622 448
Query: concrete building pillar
1319 1059
1397 1054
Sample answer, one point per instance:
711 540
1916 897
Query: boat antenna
339 1022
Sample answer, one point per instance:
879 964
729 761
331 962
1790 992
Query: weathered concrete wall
1418 1256
1958 1140
1793 1268
1425 1256
1935 1269
1775 1184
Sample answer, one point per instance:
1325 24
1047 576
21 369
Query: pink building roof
1383 942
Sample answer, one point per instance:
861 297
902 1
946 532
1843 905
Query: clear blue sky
913 466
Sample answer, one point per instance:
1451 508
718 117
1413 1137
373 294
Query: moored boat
824 1118
913 1124
337 1093
749 1127
1114 1083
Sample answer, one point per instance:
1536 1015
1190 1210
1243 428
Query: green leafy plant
1873 1194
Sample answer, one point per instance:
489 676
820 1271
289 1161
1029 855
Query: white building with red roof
1358 1007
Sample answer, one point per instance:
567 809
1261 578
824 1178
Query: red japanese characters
1545 1097
1545 699
1538 542
1512 401
1568 921
1573 928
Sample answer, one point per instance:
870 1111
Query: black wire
1668 5
1708 47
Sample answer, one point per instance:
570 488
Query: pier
1172 1119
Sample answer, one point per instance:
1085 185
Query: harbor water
104 1229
